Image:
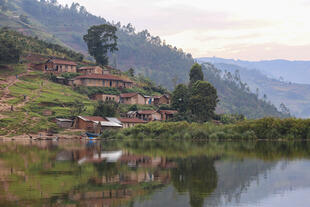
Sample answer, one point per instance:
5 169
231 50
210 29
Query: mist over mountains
295 96
290 71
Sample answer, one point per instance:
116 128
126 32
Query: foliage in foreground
267 128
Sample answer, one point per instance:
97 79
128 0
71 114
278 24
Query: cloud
262 51
249 29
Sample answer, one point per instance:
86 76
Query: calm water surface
155 173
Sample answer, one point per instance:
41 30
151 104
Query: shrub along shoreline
266 128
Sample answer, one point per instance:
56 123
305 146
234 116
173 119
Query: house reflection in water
120 178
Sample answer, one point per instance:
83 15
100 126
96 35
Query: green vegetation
106 109
100 40
198 100
235 96
16 44
148 55
267 128
9 52
195 74
41 95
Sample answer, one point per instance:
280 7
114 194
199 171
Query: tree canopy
195 74
203 100
100 40
9 52
180 98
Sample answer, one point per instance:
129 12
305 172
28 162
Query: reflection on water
136 173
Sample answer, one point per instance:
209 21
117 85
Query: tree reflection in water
51 174
197 176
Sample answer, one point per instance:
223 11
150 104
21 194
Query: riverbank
266 128
68 134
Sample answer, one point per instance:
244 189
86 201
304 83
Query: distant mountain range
290 71
295 96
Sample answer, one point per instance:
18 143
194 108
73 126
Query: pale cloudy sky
239 29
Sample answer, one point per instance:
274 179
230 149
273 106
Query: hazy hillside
291 71
295 96
235 96
163 63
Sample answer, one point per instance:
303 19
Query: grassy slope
41 95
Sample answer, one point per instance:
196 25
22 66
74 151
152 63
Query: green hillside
235 96
148 55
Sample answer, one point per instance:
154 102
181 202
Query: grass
267 128
41 95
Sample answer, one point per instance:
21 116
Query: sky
238 29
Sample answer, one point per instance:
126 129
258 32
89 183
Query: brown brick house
131 122
160 100
87 122
96 123
132 98
167 114
57 66
107 80
149 115
106 97
90 70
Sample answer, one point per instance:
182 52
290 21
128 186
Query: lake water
155 173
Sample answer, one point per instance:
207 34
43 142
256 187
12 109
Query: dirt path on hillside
10 81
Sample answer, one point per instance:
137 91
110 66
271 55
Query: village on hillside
96 76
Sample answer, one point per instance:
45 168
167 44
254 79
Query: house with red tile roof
132 98
55 65
160 100
88 70
167 114
99 80
148 115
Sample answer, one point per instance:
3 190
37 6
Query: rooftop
103 77
92 118
63 62
128 95
168 111
89 67
146 112
132 120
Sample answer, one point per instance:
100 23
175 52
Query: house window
46 67
103 82
110 83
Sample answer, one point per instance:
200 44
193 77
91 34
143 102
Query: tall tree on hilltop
195 74
100 40
203 100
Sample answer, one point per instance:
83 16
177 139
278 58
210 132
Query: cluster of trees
9 51
198 100
15 44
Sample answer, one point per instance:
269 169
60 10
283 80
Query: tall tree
100 40
180 98
203 100
195 74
